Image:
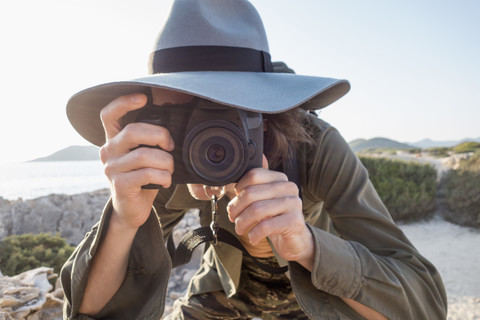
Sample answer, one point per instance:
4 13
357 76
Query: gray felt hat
216 50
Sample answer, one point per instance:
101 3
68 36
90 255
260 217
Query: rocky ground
30 296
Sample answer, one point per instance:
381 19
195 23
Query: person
346 258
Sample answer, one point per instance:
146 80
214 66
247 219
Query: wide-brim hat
216 50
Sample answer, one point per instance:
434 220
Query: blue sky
413 65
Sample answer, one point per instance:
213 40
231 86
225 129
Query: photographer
303 201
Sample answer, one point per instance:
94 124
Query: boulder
29 296
69 215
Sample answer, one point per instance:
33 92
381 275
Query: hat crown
216 50
229 23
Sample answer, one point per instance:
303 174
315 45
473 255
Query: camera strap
182 254
193 238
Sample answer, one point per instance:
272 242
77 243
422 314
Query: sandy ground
455 251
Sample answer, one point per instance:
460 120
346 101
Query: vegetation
464 147
439 151
461 189
467 147
407 189
414 150
20 253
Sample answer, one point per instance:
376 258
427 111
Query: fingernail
172 144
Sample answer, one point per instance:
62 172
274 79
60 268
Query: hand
268 205
128 167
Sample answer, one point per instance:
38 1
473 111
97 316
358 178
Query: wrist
308 254
119 225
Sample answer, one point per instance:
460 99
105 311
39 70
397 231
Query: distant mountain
428 143
378 143
73 153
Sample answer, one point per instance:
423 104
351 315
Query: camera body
214 145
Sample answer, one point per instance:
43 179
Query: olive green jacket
359 252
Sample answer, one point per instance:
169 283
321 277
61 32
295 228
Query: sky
413 65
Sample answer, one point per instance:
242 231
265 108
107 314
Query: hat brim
260 92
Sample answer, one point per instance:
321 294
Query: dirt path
455 252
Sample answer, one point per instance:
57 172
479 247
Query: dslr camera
214 145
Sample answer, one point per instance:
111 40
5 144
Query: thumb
264 162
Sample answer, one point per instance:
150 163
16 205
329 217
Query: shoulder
316 124
323 135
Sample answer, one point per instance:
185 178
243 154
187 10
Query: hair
284 131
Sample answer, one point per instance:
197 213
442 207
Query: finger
264 162
133 181
138 159
136 134
115 110
264 210
254 193
286 225
259 176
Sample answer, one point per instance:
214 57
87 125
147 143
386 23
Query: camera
214 145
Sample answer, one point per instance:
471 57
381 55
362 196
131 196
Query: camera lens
216 153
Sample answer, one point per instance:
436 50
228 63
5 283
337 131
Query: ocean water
29 180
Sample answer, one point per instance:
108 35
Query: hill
378 143
428 143
73 153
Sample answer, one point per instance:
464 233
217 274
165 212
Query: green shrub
467 147
439 152
20 253
407 189
414 150
461 189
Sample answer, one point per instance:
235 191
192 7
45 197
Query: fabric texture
260 295
359 252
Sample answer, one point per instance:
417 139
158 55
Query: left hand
268 205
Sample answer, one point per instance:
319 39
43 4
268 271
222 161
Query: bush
407 189
439 151
467 147
20 253
461 189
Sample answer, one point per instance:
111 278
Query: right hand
127 167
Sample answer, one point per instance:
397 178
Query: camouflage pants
262 295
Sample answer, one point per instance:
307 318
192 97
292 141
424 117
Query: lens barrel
216 151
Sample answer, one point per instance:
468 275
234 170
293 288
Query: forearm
307 261
108 267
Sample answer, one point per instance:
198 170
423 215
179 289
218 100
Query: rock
28 296
70 215
5 316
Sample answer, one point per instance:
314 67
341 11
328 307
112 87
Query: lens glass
216 153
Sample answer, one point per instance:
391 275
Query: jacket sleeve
370 260
143 291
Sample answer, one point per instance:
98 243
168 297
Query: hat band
209 58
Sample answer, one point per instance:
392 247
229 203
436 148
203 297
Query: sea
30 180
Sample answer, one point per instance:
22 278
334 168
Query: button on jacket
359 252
